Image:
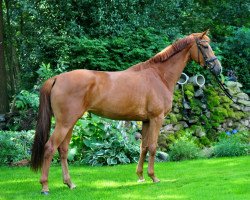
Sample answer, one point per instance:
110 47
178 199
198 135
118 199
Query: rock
162 156
242 96
224 126
204 106
244 102
176 110
184 124
232 84
168 132
201 134
199 93
192 121
246 109
137 136
245 122
2 118
208 114
207 152
186 106
178 127
230 123
168 127
233 87
236 107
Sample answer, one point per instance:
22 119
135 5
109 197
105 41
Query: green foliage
107 54
183 149
15 146
112 150
25 105
25 100
231 146
99 141
236 54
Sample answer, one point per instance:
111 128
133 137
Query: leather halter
209 62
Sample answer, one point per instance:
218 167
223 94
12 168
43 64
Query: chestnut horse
143 92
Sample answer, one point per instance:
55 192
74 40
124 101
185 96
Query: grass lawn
223 178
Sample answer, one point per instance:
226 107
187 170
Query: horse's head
202 53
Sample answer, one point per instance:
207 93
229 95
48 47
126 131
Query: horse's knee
63 151
152 149
144 150
49 150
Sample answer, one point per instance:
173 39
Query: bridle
209 62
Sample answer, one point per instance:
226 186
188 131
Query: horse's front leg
63 151
154 129
143 152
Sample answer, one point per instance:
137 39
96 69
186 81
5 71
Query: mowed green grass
221 178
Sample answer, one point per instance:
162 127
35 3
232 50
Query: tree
4 104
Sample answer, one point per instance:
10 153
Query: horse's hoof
45 192
72 187
141 180
156 180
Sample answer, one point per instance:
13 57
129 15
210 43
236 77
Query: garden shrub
111 151
15 146
231 146
100 141
183 149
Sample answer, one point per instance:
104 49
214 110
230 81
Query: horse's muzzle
216 68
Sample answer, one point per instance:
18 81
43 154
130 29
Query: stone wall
205 114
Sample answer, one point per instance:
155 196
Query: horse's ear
204 33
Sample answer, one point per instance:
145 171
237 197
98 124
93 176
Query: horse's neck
170 70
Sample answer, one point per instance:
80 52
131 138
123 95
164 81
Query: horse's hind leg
63 151
51 146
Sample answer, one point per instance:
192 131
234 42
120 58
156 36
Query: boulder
178 127
246 109
232 84
199 93
235 106
162 156
184 124
242 96
244 102
168 127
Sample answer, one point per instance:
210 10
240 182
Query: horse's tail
43 125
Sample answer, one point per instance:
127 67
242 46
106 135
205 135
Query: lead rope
222 87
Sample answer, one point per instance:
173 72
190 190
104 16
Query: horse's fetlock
43 180
139 171
151 173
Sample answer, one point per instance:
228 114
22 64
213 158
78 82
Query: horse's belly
123 109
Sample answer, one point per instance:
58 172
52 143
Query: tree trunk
4 104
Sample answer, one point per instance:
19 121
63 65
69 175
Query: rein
224 89
209 64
